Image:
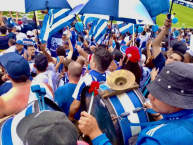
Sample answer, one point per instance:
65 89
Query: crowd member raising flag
56 20
100 29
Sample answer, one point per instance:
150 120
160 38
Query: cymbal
120 80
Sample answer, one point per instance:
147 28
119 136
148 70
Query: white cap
29 33
190 51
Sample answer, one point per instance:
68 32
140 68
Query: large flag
124 28
88 19
156 7
56 20
100 29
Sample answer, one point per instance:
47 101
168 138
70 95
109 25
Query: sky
74 3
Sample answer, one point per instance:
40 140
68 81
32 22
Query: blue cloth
101 140
61 66
4 42
168 134
73 38
65 78
63 97
42 5
156 7
5 88
159 61
54 42
26 28
93 76
163 134
12 36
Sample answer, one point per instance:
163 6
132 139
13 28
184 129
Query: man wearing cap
19 47
171 95
177 52
25 26
18 71
29 40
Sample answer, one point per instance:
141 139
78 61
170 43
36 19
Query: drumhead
103 112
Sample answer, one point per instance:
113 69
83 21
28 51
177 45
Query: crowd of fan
63 64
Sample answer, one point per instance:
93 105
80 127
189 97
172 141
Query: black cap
41 62
180 46
47 128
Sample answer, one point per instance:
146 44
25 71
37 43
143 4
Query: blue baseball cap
15 65
19 42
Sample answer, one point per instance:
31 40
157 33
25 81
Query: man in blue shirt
99 63
173 101
19 47
63 95
25 26
3 39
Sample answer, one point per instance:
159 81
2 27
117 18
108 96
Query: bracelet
157 115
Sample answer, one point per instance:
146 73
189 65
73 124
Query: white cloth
10 49
144 38
50 77
32 96
21 36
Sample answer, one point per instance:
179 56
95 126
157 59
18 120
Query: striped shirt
87 80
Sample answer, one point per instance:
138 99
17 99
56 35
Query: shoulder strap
187 124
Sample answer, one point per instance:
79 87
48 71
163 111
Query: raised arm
16 19
70 47
1 19
157 41
10 14
43 49
82 52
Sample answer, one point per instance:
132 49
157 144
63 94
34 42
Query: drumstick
91 102
90 106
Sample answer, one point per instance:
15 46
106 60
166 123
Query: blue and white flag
100 29
56 20
10 22
124 28
156 7
88 19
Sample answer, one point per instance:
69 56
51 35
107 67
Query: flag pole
133 35
36 27
111 18
169 17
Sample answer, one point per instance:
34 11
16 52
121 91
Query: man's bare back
15 100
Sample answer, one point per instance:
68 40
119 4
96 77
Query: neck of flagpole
111 18
36 27
133 35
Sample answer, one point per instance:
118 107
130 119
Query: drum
8 133
107 111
